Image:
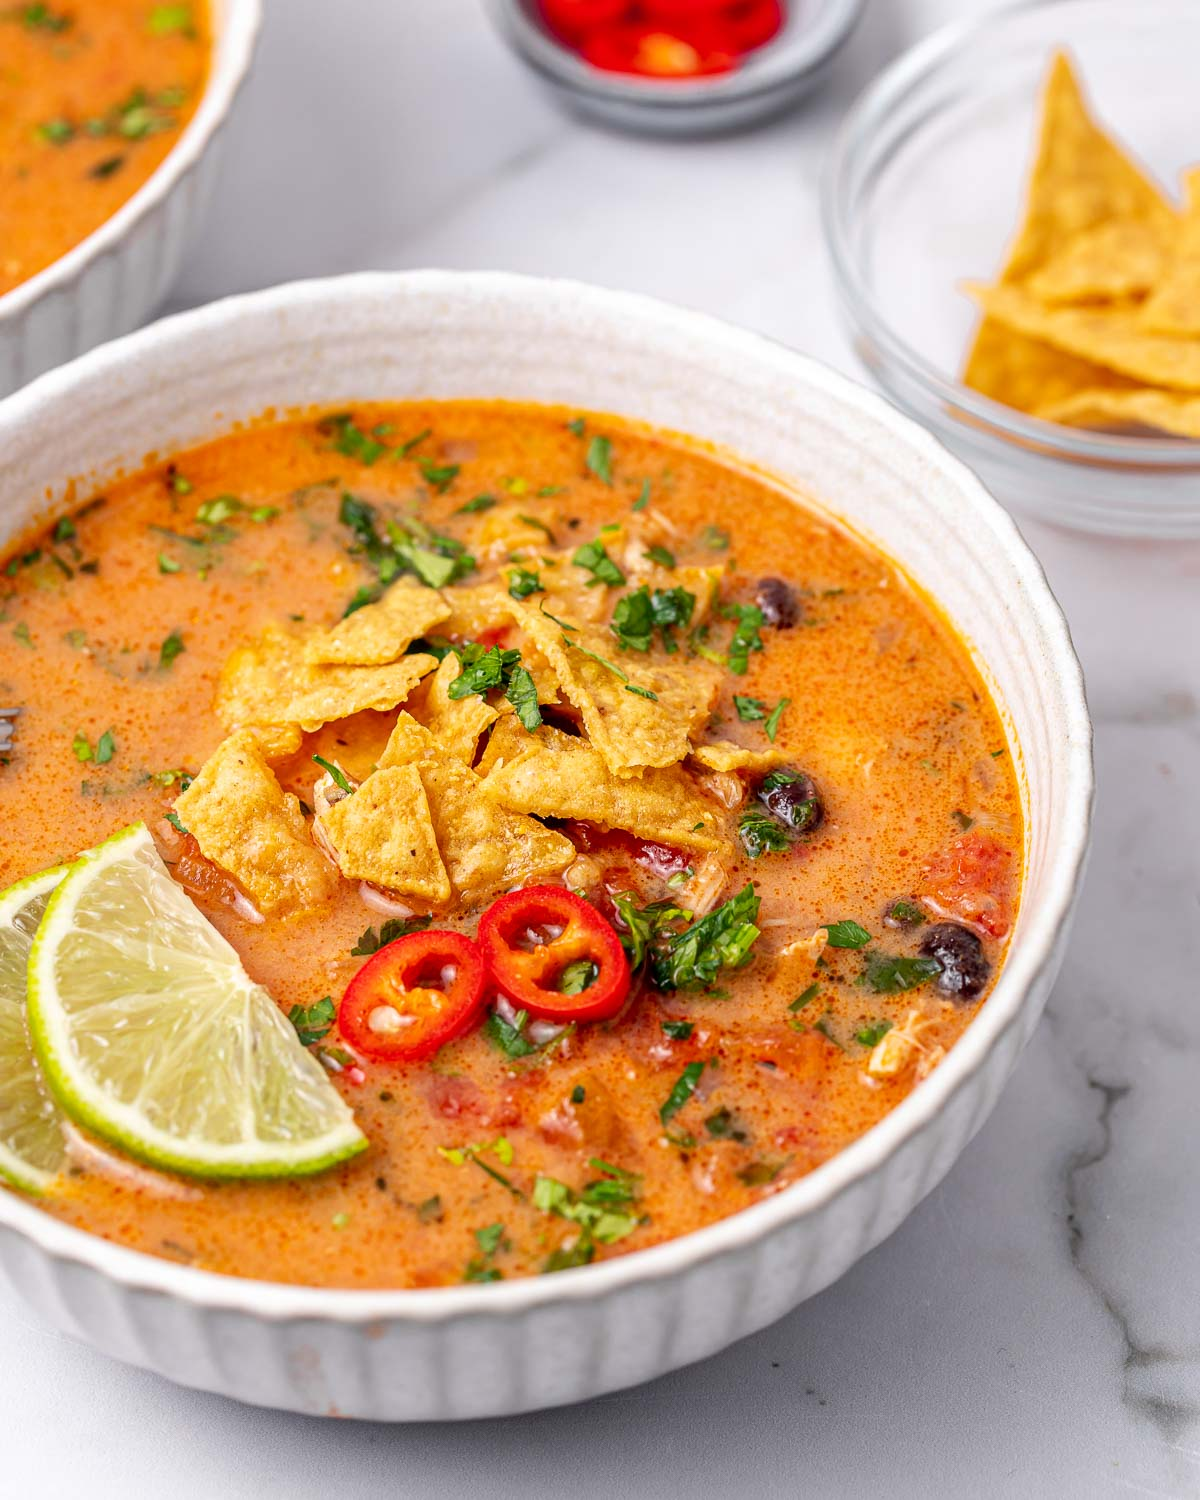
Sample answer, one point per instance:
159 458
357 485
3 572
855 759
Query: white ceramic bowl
114 279
516 1346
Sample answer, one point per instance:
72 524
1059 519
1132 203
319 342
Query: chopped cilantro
891 974
168 564
594 557
171 20
871 1036
371 941
746 637
678 1031
772 724
659 555
643 498
169 650
641 926
522 582
483 668
691 960
522 693
603 1208
440 476
847 935
538 526
577 977
599 458
339 776
963 821
684 1088
41 18
474 506
761 834
763 1171
313 1022
806 997
509 1036
714 539
639 614
906 913
220 508
749 710
577 427
722 1126
176 823
578 1094
107 167
100 753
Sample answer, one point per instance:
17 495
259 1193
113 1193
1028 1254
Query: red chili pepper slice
573 17
413 996
531 939
679 12
655 52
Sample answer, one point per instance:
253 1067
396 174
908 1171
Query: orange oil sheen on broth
93 95
887 713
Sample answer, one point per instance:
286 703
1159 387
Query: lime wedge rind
223 1087
31 1144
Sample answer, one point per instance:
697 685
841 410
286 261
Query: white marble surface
1034 1328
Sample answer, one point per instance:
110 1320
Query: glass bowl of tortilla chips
1013 214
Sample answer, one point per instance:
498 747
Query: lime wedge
152 1035
31 1140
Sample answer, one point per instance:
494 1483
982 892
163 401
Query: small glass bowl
924 189
770 79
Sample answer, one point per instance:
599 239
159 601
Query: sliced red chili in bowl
554 955
413 996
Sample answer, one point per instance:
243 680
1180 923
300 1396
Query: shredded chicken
905 1047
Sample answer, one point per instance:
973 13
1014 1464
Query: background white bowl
491 1350
114 279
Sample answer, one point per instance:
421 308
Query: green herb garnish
685 1087
371 941
169 650
314 1022
847 935
339 776
594 557
761 834
891 974
599 458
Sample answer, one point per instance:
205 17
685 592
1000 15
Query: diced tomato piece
552 954
972 879
413 996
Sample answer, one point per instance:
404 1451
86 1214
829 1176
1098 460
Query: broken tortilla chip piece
1080 178
1174 305
277 741
384 834
455 723
1119 258
380 632
725 756
247 824
269 683
486 847
1109 335
1163 411
1023 373
636 720
559 776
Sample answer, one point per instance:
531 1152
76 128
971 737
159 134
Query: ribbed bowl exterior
114 280
475 1351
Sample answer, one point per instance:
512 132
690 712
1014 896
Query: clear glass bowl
924 189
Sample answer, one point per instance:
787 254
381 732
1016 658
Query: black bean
778 603
965 971
793 798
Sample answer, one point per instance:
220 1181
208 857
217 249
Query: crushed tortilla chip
726 756
380 632
277 741
632 732
1109 335
486 847
558 776
507 740
384 834
455 723
269 682
1118 258
1081 178
1162 411
511 527
247 824
1174 305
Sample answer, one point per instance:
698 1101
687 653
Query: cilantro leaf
522 693
169 650
483 668
522 582
692 959
847 935
509 1036
746 637
761 834
340 778
871 1036
577 977
313 1022
685 1087
678 1031
659 555
599 458
594 557
475 506
749 709
776 714
892 974
371 941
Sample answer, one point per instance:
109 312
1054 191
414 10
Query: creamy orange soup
884 906
93 94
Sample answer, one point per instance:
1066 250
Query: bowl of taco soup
552 814
111 122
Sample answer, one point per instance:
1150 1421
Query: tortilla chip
277 741
1023 373
384 834
380 632
1174 305
269 682
455 723
486 847
1119 258
1110 335
725 756
510 527
1164 411
631 732
1081 178
247 824
507 740
559 776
